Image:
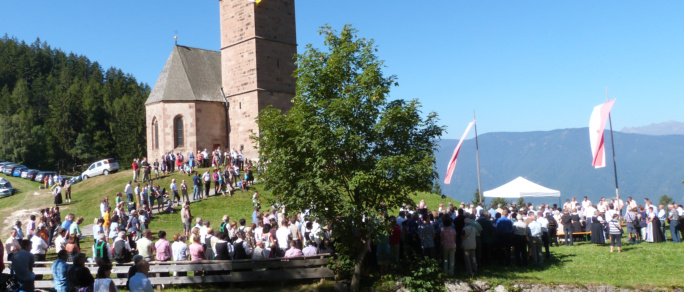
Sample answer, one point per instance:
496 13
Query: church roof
190 74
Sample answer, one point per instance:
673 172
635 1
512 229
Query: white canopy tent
521 188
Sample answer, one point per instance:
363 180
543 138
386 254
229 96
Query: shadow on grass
513 271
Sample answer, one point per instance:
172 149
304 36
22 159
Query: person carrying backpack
102 252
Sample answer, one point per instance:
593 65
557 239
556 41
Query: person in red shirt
136 169
395 241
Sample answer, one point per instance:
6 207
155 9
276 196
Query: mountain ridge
657 129
647 166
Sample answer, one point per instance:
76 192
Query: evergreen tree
61 110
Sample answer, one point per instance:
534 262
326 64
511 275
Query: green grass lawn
642 266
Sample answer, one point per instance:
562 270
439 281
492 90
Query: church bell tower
258 44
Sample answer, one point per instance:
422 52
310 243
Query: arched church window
155 134
178 131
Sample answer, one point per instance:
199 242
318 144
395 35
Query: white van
104 167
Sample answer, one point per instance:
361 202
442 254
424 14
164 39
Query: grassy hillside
87 195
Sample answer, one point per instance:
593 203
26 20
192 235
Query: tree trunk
356 279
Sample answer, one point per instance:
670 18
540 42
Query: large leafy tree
344 149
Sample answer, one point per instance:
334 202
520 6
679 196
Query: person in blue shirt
67 221
59 272
504 231
254 216
492 211
197 182
20 233
139 281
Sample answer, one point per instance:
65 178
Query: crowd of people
123 234
468 233
478 236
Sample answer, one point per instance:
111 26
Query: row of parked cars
102 167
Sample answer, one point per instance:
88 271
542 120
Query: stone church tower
207 99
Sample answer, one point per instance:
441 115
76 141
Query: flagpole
612 144
477 150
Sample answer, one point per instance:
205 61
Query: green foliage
436 188
343 265
60 111
476 198
502 201
426 275
665 200
521 202
354 153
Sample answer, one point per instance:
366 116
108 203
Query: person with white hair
534 233
520 233
102 252
122 249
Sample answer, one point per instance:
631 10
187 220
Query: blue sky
522 65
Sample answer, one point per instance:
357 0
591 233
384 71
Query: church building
207 99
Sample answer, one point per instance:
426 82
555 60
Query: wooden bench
280 269
575 234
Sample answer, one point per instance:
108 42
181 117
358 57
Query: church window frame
178 132
155 133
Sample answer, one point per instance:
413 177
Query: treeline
59 111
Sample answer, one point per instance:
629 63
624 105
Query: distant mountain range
666 128
647 166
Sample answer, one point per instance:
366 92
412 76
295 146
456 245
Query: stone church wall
165 113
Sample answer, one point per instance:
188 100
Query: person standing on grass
67 191
215 178
631 221
673 218
179 248
662 217
197 182
146 246
520 233
75 229
196 249
174 190
426 233
184 191
534 233
136 169
206 178
615 231
128 190
448 241
469 247
163 248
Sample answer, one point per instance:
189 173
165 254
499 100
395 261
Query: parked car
76 179
29 174
40 176
6 189
9 168
16 172
2 165
102 167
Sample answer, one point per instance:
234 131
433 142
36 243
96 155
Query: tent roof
521 188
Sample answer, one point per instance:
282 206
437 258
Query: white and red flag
597 123
452 161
